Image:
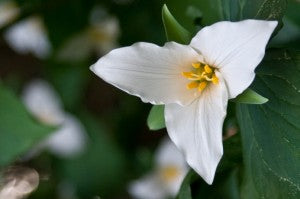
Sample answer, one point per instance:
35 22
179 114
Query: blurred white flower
18 183
104 35
166 178
29 36
70 138
8 12
193 81
101 36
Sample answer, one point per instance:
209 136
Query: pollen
200 76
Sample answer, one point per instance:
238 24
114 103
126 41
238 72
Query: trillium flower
70 139
194 82
29 36
165 180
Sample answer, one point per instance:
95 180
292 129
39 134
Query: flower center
169 173
200 76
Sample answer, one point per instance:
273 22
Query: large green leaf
235 10
264 9
271 132
18 131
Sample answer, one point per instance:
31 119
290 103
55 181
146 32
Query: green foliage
270 132
267 9
250 97
18 130
101 169
185 189
235 10
174 31
156 119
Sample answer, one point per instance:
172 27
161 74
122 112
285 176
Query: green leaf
185 188
236 10
266 9
156 119
18 131
270 132
174 31
249 96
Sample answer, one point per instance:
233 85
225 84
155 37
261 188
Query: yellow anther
192 85
187 74
215 79
202 86
207 69
196 65
200 76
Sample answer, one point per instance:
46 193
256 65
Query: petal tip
207 173
273 24
92 68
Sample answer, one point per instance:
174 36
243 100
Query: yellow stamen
187 74
215 79
207 69
202 86
200 75
196 65
192 85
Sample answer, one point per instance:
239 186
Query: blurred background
74 136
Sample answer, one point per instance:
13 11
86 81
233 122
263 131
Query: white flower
29 36
101 36
104 34
169 172
8 12
70 138
194 82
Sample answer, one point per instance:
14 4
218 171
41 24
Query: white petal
150 72
197 129
42 101
27 36
69 140
148 187
236 48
